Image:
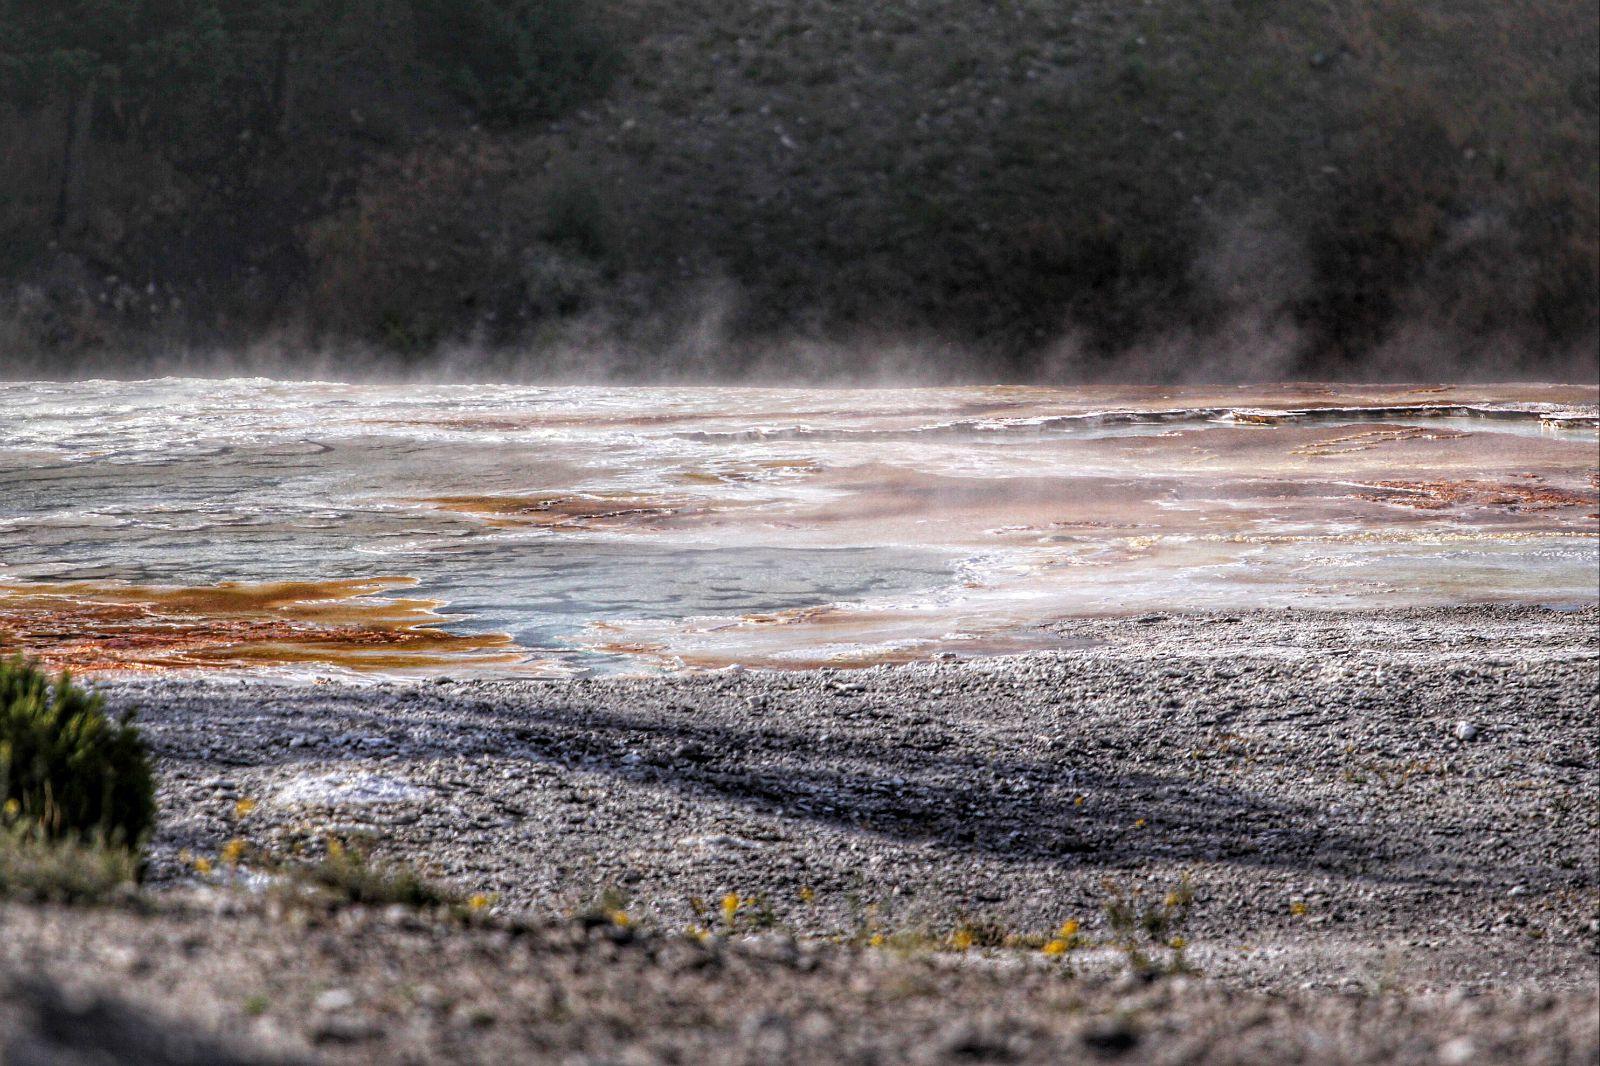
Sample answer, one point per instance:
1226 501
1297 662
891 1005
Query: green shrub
66 769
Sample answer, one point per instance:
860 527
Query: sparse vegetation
970 933
733 914
610 907
39 868
1149 933
349 874
1067 939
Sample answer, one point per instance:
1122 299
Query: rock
1465 731
756 1023
335 999
343 1029
716 842
774 947
348 789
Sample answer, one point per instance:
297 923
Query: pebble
335 999
955 787
343 1029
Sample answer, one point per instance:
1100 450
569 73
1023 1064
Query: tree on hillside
133 61
514 61
201 77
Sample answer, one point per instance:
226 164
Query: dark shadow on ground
41 1025
909 786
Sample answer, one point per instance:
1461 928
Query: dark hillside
1086 189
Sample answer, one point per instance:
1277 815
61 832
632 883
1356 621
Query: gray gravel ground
1387 821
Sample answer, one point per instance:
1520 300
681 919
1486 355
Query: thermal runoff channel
307 526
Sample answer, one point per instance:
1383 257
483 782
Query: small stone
335 999
1465 731
716 842
343 1029
754 1024
774 947
1457 1052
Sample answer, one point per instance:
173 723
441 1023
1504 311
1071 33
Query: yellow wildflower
807 894
478 901
243 808
621 919
202 865
730 906
1297 909
13 808
1057 948
1177 943
877 940
233 851
1139 824
961 939
1069 928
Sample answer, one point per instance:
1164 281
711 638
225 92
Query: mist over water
252 523
1254 340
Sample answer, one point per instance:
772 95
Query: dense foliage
66 769
1330 181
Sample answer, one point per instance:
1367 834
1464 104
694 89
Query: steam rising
1252 272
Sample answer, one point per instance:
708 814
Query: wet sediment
146 525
